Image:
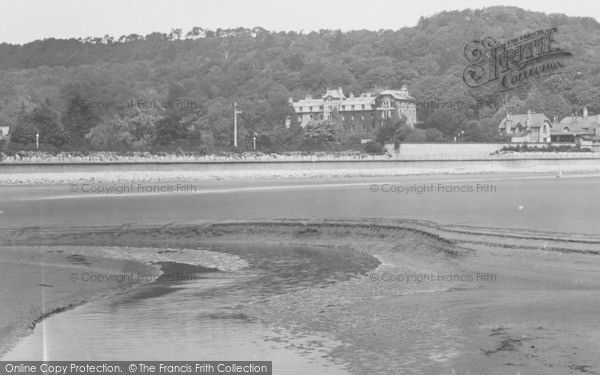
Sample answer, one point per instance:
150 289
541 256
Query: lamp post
254 140
235 113
37 141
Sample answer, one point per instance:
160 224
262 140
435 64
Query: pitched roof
334 93
398 94
583 122
537 119
308 103
571 129
360 101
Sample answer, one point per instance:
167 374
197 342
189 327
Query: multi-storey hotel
358 113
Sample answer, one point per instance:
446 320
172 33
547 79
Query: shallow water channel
199 317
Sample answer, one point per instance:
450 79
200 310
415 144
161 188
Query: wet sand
38 281
445 299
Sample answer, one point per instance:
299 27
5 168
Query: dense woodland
46 86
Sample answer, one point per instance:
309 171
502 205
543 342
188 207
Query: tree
79 118
111 134
169 129
42 120
434 135
392 130
320 131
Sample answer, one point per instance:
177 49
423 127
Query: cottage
530 127
576 129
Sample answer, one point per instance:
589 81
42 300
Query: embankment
57 173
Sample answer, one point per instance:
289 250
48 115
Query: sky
23 21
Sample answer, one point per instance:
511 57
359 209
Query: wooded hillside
45 85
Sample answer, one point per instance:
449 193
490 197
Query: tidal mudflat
442 299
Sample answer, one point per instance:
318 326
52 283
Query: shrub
374 148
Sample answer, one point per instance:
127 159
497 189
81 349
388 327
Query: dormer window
565 129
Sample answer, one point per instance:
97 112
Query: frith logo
514 63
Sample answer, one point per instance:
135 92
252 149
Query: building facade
530 127
536 127
577 128
363 113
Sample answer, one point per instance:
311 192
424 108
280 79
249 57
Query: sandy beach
445 299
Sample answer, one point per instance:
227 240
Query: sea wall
454 150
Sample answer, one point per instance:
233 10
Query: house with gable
530 127
575 128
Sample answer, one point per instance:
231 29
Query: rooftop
537 119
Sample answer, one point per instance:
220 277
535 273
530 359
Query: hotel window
373 125
386 104
299 118
352 117
352 127
362 117
364 127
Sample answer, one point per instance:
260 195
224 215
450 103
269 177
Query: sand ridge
445 299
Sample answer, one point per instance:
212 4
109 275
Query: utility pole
235 113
